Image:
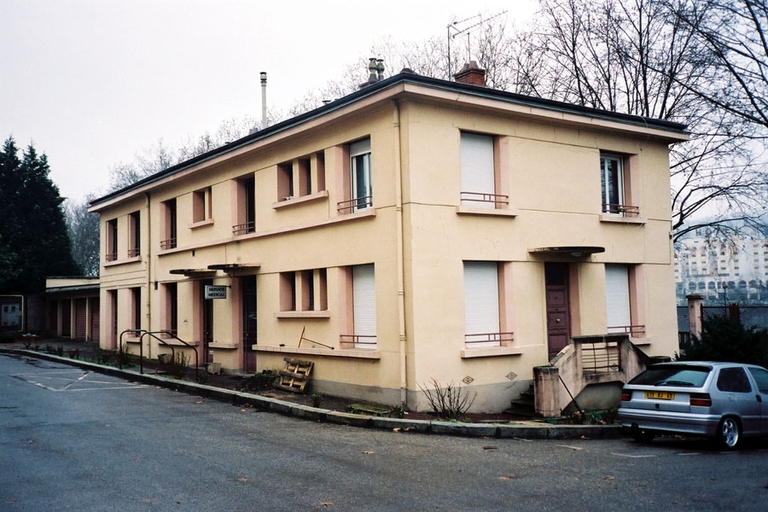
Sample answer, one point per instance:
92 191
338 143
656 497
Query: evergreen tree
34 240
726 339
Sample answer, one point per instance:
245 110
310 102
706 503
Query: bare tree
160 156
736 34
84 234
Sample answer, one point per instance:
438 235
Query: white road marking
74 380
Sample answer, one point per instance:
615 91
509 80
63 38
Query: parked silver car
725 401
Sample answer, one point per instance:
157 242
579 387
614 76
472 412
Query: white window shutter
481 299
477 168
364 297
617 297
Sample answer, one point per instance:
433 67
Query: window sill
222 346
133 259
303 314
297 200
471 353
493 212
173 342
620 219
201 224
343 353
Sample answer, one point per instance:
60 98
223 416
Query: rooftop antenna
454 25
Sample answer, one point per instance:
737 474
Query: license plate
659 395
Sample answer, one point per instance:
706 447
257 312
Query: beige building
416 229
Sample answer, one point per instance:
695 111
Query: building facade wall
418 235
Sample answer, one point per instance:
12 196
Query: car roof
711 364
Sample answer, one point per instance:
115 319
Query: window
480 179
304 291
761 378
246 206
360 307
285 182
287 291
136 308
171 317
111 254
733 380
134 234
301 177
615 186
483 303
620 288
201 205
170 231
359 183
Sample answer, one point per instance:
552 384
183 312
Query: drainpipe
403 338
148 302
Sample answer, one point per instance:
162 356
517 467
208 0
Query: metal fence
750 315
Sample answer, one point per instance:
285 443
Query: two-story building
416 229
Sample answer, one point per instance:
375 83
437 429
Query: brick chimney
471 74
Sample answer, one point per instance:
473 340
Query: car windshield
673 375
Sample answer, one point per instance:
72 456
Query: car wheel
728 433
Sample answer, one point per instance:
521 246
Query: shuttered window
478 181
617 298
364 306
481 302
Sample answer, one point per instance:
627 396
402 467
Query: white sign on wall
215 292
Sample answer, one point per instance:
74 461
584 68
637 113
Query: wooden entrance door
558 311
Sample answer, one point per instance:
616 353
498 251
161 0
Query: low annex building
415 229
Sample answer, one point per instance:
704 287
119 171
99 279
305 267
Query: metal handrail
484 197
355 340
622 209
632 330
154 334
244 228
352 205
499 338
600 356
168 244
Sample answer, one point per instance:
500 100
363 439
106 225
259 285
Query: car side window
733 380
761 378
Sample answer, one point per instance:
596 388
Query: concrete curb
517 430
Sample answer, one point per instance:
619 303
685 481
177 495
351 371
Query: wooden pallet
295 376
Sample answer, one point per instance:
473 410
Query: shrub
448 401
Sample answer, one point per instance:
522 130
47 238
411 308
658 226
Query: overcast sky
92 83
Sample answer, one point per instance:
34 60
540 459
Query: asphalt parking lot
72 439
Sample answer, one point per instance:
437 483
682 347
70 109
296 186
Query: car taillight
700 400
626 396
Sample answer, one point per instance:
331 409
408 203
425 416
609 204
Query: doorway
207 316
558 307
250 323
